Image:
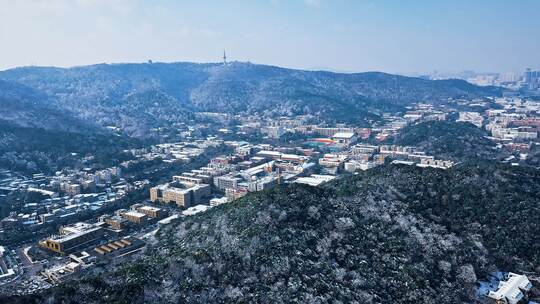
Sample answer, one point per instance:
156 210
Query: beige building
135 217
150 211
116 222
331 131
183 194
233 194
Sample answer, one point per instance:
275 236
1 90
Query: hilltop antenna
224 58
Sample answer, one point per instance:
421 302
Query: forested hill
393 234
23 106
37 150
39 135
101 92
448 139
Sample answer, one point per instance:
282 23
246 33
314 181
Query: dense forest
33 150
448 139
39 135
393 234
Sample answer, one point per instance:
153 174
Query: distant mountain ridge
103 93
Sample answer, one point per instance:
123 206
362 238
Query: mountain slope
236 87
25 107
38 135
394 234
34 149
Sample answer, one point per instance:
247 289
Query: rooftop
135 214
195 209
65 238
315 179
512 288
346 135
149 208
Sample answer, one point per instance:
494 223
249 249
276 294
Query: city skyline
341 36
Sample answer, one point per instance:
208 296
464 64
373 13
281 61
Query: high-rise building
509 77
532 79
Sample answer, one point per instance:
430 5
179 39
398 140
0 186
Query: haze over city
342 35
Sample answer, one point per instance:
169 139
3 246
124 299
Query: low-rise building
274 132
60 273
188 179
471 117
6 270
512 291
233 194
72 238
435 163
135 217
331 131
344 138
218 201
118 248
332 163
116 222
352 166
195 209
364 149
264 183
151 211
315 179
168 220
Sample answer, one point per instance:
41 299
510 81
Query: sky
400 36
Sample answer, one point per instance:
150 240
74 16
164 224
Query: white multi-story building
471 117
227 182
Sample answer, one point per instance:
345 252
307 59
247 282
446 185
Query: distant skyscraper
532 79
528 74
509 77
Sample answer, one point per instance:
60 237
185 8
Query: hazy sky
356 35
